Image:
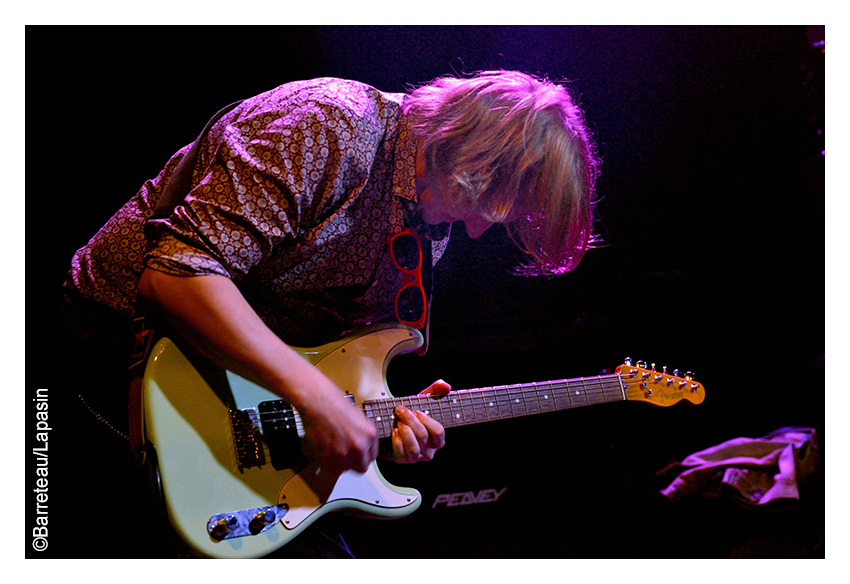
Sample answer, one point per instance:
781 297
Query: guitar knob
224 526
261 519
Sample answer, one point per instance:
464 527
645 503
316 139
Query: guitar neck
472 406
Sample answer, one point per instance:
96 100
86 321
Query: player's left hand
417 436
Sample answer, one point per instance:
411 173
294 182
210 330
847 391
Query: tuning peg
689 376
641 364
675 373
627 361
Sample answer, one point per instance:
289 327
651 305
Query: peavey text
468 498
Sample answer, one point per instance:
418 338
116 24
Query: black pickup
280 433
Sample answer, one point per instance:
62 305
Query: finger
411 448
398 445
410 419
436 431
401 456
365 458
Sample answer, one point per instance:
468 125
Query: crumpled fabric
753 471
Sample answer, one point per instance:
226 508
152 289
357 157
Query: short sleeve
287 160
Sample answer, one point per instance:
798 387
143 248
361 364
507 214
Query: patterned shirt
293 198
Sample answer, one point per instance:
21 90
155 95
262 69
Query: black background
711 213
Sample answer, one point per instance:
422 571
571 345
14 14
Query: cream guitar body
231 473
202 479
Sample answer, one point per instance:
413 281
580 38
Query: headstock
659 387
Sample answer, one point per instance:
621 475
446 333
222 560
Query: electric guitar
231 473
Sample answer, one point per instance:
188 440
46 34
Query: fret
598 395
455 411
543 397
577 394
590 397
483 412
475 411
467 402
616 389
562 395
489 405
503 403
531 400
445 412
471 399
518 400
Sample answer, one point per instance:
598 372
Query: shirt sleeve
276 170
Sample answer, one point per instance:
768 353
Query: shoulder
330 98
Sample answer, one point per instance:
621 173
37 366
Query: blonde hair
516 149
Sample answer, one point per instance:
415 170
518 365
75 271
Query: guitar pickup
280 431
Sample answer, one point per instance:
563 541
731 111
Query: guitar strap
142 334
428 285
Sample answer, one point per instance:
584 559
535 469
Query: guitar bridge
246 437
273 423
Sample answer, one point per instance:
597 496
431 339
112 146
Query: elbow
148 284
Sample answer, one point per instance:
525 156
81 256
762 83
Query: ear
420 160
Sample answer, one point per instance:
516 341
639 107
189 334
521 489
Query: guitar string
557 387
378 410
502 407
603 389
601 384
512 400
527 390
382 410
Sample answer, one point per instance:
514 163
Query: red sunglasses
411 307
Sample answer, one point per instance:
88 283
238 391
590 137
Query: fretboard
472 406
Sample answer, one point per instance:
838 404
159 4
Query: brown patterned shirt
293 198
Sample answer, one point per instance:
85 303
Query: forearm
211 313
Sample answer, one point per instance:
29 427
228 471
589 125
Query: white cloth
754 471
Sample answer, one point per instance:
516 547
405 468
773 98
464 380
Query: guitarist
282 237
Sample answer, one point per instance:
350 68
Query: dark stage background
712 214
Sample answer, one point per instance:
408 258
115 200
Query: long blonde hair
511 145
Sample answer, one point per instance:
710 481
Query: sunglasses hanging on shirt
411 305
